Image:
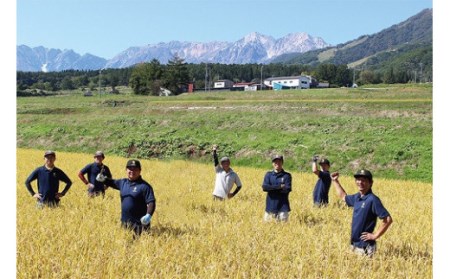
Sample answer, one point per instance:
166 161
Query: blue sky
107 27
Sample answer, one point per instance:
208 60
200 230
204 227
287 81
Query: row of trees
413 65
72 79
148 78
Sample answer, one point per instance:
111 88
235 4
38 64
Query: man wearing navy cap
278 184
366 209
136 196
48 177
225 178
95 187
322 188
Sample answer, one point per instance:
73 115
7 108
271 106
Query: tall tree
326 72
144 76
342 76
389 76
176 76
366 77
67 84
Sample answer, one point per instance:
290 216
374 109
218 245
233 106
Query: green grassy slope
387 129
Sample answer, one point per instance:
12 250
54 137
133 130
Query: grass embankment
194 237
387 129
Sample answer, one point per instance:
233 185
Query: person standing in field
322 188
137 198
48 177
278 184
367 207
225 178
95 187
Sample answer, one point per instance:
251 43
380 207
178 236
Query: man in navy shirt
322 188
95 187
48 177
366 209
277 183
136 196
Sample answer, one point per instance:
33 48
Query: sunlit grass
194 237
385 128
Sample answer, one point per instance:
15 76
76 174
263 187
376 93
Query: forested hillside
406 46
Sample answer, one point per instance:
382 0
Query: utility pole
261 86
206 75
354 70
210 80
420 77
99 83
409 71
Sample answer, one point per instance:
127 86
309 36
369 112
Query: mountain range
410 40
253 48
44 59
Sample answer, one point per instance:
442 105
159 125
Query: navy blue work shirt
134 197
92 171
366 209
277 199
48 183
322 188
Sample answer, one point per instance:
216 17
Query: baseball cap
99 153
134 163
324 161
364 173
223 159
49 152
275 157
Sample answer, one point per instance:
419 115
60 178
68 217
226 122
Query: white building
293 82
253 87
224 83
245 86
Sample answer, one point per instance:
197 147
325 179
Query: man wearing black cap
48 177
322 188
278 184
366 208
136 196
225 178
95 187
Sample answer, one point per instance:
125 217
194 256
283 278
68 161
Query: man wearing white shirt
225 178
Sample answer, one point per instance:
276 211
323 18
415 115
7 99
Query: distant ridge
408 38
414 33
253 48
45 59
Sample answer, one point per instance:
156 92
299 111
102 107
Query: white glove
145 220
100 177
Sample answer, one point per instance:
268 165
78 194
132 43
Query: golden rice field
194 237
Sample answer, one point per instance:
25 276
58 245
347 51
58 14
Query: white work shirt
225 181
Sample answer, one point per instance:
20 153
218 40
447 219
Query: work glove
145 220
100 177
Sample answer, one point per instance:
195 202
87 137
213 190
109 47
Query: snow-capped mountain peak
252 48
